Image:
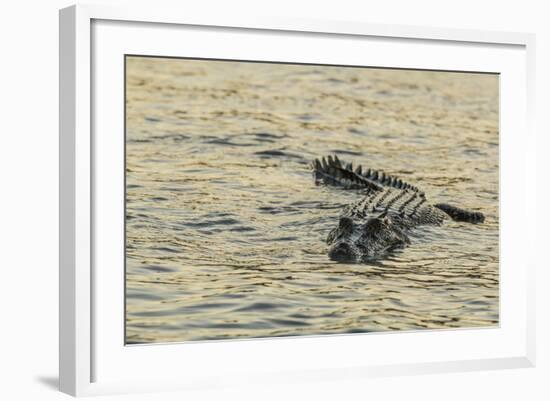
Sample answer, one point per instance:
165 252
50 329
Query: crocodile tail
331 171
458 214
385 179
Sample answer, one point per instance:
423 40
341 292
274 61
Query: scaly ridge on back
332 171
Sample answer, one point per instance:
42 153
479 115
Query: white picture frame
86 352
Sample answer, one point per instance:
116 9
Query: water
226 228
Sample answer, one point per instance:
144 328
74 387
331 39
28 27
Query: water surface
226 228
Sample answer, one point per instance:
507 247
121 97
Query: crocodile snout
341 252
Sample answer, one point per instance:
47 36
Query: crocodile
382 219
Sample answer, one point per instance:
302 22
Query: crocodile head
360 241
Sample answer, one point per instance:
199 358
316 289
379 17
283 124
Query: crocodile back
406 207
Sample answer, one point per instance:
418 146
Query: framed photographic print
275 200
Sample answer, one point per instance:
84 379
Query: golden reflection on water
226 228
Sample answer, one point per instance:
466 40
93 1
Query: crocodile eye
345 224
376 224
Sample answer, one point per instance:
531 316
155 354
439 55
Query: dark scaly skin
380 221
